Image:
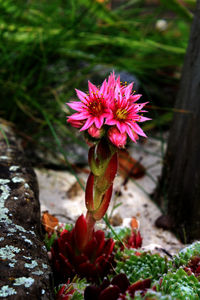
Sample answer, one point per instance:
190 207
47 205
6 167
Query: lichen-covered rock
24 269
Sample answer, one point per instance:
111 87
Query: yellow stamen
121 113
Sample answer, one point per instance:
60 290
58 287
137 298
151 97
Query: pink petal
79 116
120 126
118 80
130 133
143 119
138 130
103 87
92 88
135 97
141 105
118 94
76 105
128 90
98 122
123 127
110 122
87 124
82 96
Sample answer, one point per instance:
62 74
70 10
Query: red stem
90 225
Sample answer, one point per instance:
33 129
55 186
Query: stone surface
24 269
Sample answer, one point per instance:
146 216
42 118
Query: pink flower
124 112
116 137
92 107
112 104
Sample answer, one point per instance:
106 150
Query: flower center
96 107
121 113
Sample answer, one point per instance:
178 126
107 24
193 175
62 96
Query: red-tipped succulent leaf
73 253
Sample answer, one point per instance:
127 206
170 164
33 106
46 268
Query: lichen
4 196
4 181
20 228
8 252
27 240
32 265
43 292
11 265
15 198
26 185
26 257
44 266
32 232
26 281
4 157
39 272
12 229
6 291
17 179
1 239
13 168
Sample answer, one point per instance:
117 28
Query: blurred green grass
48 48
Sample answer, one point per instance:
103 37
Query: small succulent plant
73 254
185 255
134 240
73 290
193 267
180 286
137 264
151 295
130 238
119 288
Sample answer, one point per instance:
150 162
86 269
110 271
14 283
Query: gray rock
25 272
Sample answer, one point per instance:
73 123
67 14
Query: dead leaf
135 224
49 222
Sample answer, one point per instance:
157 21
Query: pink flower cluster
109 110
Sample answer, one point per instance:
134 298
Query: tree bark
178 191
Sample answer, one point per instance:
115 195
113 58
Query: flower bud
75 123
116 137
95 132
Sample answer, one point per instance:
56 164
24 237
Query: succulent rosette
110 110
119 288
73 254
